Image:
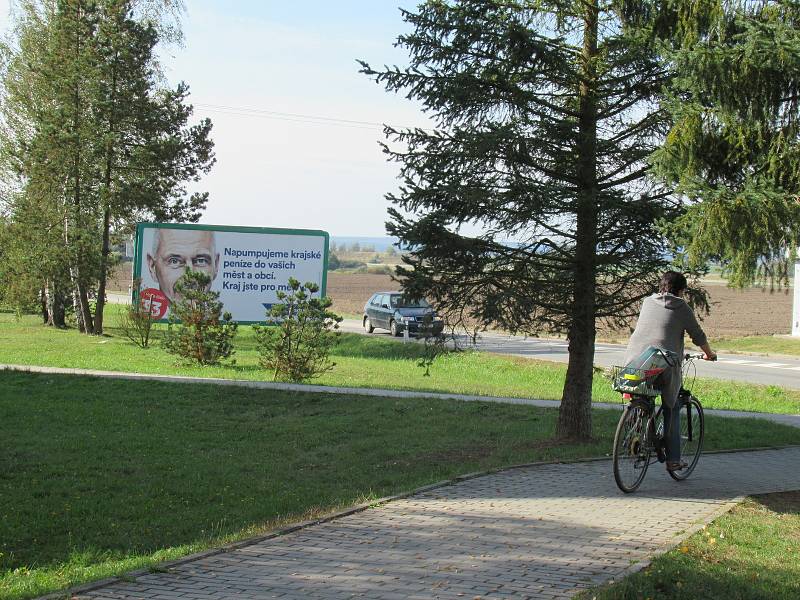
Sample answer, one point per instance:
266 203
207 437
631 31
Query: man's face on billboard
178 249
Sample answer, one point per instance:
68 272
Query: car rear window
400 302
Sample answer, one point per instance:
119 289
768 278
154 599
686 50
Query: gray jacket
663 320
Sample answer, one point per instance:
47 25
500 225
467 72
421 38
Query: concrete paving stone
540 532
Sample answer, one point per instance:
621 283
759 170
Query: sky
245 61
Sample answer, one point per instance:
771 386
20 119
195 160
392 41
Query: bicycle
640 431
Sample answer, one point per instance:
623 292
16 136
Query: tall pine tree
546 115
94 141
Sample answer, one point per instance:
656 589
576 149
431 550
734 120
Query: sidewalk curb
379 502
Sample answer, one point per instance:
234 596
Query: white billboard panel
247 265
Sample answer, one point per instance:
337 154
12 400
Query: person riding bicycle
663 320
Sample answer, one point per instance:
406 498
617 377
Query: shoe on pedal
661 451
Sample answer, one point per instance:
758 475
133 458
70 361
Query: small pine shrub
198 330
298 347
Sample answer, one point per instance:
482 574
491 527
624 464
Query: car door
369 309
383 311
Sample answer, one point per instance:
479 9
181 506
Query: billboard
247 265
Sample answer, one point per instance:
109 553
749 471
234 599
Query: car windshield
400 302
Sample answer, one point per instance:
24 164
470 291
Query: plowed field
733 313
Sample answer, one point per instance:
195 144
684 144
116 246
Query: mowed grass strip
761 344
361 361
752 553
99 477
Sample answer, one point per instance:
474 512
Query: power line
284 114
294 117
308 120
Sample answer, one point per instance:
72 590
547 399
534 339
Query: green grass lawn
361 362
752 553
762 344
102 476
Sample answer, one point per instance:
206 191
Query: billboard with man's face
247 265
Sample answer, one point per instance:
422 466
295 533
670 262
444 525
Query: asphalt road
784 372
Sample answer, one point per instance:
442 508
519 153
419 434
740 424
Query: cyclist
663 320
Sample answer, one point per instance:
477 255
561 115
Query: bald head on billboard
175 250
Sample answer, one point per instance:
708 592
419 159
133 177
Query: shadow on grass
784 503
360 346
679 579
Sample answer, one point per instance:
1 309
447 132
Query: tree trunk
101 289
58 308
86 310
575 417
43 304
109 166
80 295
81 307
80 292
54 305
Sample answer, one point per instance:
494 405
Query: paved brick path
536 532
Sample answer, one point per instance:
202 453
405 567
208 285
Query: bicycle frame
652 437
640 438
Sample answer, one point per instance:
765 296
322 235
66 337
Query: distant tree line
91 141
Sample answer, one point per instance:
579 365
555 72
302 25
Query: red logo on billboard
155 301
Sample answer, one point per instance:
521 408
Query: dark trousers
672 431
670 387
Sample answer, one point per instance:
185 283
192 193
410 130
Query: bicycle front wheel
631 448
692 433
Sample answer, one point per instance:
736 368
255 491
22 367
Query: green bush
198 330
136 321
375 269
298 346
351 264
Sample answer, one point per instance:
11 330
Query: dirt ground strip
733 313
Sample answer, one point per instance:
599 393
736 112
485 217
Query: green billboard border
138 257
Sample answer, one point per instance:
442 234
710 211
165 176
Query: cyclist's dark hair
673 283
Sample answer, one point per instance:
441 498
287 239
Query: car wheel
368 325
394 329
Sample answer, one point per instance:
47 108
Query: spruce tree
530 206
733 151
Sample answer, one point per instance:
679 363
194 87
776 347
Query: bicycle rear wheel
692 433
631 448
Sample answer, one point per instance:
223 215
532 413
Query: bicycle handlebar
696 356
